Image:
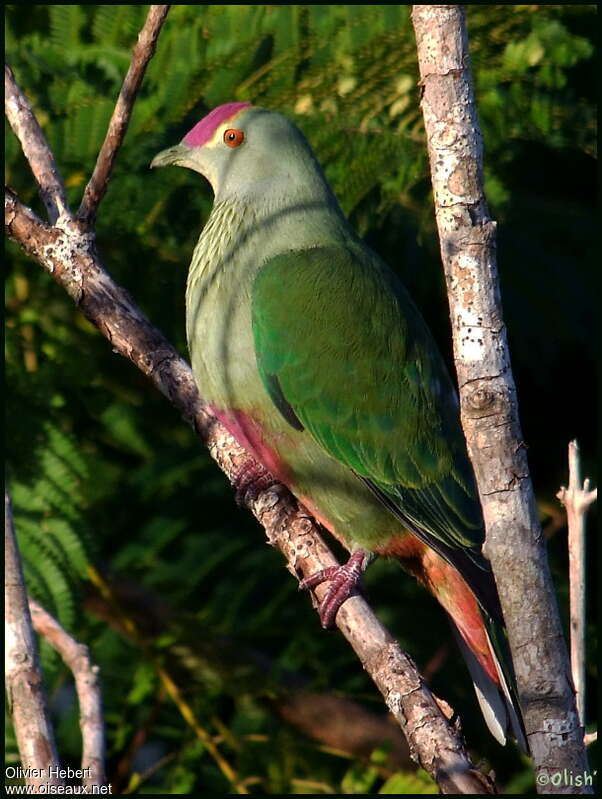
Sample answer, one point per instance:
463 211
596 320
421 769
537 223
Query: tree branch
576 499
120 119
76 657
69 256
35 148
514 542
24 684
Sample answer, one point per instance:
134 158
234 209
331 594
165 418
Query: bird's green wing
345 356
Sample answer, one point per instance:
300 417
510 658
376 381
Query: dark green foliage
103 472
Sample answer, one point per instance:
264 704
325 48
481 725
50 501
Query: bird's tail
483 643
498 700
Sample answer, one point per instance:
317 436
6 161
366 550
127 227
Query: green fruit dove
309 350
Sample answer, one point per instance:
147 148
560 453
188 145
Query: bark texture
514 541
24 684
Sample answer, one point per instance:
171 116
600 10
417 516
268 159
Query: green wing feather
345 355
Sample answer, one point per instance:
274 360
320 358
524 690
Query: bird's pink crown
203 131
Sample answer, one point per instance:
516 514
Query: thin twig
35 148
24 685
120 119
576 499
76 657
71 260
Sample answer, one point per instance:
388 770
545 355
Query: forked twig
76 657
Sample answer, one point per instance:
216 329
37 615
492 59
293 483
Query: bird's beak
179 155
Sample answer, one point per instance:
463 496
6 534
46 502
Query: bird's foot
250 480
345 580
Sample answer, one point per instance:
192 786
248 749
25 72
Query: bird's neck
220 239
242 233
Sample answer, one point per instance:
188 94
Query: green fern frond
66 23
117 24
47 577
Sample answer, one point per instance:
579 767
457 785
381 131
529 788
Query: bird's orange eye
233 137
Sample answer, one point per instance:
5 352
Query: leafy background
129 533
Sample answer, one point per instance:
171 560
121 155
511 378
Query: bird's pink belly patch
249 435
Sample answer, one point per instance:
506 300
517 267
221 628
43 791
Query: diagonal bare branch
120 119
35 148
76 657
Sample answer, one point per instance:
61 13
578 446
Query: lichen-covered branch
69 256
24 686
120 119
76 657
514 542
576 499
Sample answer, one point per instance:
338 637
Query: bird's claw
344 582
250 480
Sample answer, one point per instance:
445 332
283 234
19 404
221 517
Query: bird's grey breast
218 315
235 243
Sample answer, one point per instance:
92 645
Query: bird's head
240 148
